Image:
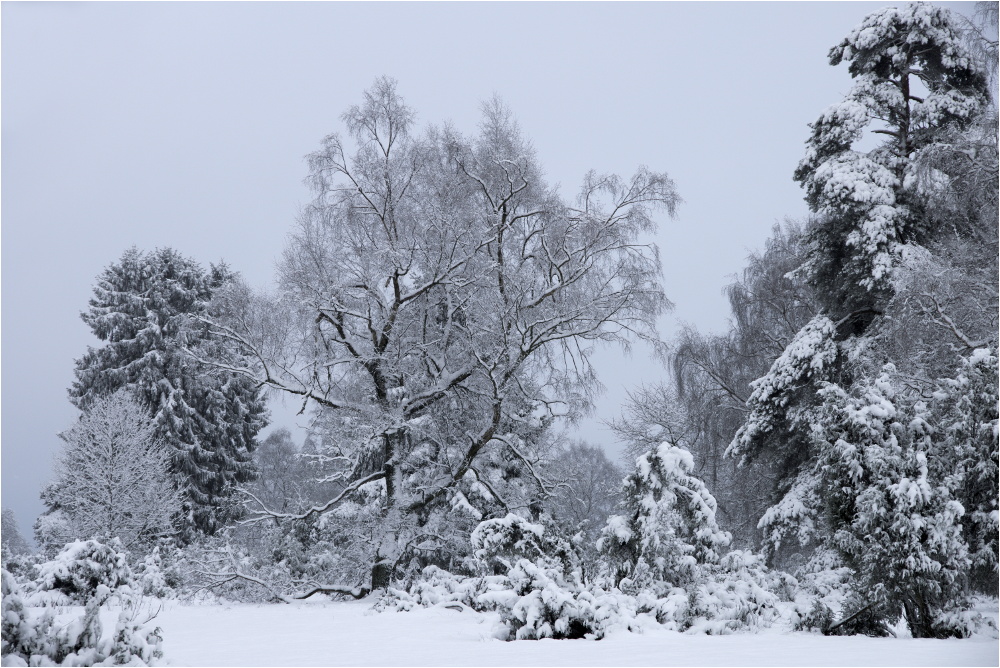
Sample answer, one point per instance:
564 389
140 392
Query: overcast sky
185 125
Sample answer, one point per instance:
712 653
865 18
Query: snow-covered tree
913 77
884 251
669 528
143 308
500 542
13 542
112 479
772 404
439 306
703 404
967 460
891 519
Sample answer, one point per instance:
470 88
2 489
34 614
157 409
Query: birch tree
439 305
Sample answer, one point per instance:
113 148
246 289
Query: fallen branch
237 575
356 592
849 619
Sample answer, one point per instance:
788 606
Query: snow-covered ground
335 633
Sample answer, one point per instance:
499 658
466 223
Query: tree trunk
381 573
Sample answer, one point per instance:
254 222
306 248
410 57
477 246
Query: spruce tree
144 308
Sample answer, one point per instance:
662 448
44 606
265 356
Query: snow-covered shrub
535 599
897 528
817 617
498 543
436 586
740 593
543 603
41 639
538 599
978 618
823 587
156 576
19 564
967 458
669 530
79 569
132 643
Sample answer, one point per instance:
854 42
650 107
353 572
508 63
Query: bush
499 543
20 565
79 569
546 605
669 530
539 596
738 594
155 578
436 586
38 640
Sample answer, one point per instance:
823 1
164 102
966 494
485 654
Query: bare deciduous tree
439 306
113 477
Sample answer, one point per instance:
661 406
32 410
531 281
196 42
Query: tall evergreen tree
144 309
872 204
883 462
872 208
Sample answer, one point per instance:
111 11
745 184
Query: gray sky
185 125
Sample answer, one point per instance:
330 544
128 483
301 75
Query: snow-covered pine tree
669 528
916 83
913 77
143 308
778 412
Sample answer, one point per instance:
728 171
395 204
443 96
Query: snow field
349 634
